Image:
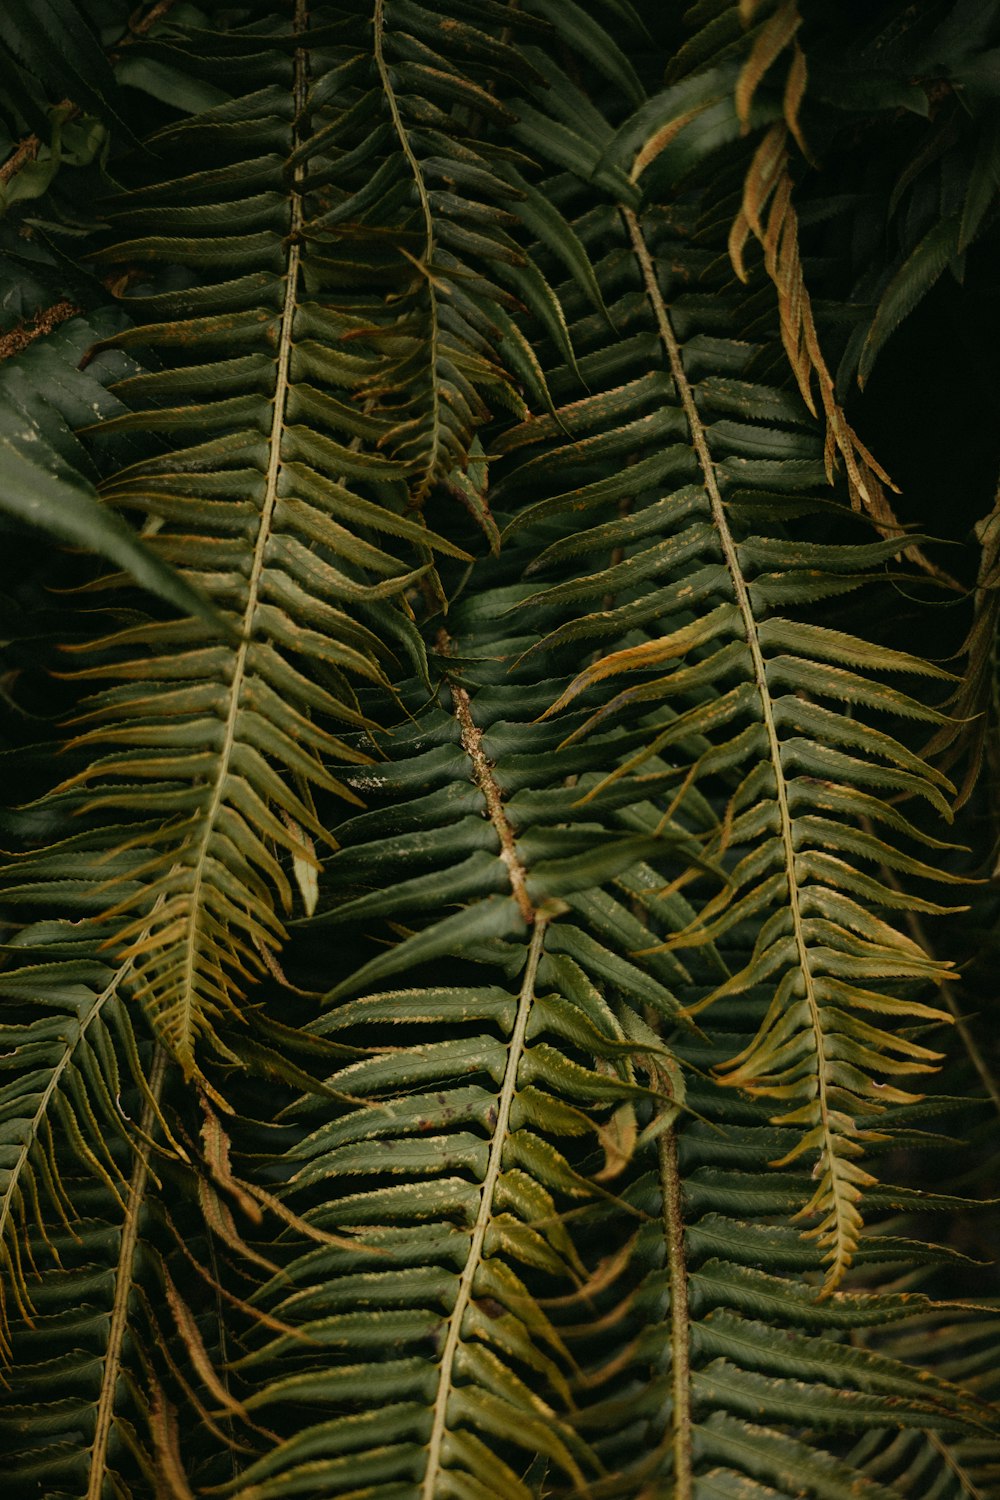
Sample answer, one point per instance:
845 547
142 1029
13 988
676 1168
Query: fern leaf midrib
843 1238
281 389
118 1325
463 1296
482 771
969 1489
378 22
680 1315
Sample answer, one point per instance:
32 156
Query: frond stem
465 1286
680 1316
968 1488
482 771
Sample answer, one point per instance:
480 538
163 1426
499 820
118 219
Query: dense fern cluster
467 996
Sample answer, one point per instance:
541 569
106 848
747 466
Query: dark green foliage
484 896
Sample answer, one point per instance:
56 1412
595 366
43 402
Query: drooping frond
302 434
750 691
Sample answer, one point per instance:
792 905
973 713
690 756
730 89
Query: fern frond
69 1061
482 1110
716 1351
256 501
470 1168
746 679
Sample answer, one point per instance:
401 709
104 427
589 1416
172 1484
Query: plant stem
484 1217
680 1320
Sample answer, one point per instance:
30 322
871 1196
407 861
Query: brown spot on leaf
491 1307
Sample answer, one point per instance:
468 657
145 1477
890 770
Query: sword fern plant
479 755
